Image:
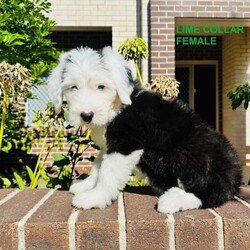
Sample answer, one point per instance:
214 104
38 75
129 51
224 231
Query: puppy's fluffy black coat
177 144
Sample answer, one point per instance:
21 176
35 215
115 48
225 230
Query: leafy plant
15 82
46 121
60 174
79 142
240 94
24 39
24 35
134 49
24 31
63 167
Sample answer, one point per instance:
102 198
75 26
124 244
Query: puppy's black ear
55 79
120 73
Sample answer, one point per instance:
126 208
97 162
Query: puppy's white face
93 84
90 95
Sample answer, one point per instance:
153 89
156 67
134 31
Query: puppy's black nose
87 117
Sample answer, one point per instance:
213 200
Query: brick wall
125 18
120 15
165 15
162 31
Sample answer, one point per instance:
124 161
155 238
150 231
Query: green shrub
240 94
24 31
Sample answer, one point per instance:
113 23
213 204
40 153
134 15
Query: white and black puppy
185 159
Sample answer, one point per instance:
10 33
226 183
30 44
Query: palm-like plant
134 49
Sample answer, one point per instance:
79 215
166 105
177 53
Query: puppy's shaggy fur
188 162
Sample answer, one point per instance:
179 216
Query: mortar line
242 201
9 196
21 223
72 228
220 229
122 223
171 222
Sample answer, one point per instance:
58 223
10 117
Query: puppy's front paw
94 198
82 186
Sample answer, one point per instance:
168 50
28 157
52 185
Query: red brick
48 227
196 229
159 26
5 192
154 8
157 72
157 13
158 37
154 20
190 14
98 228
146 228
245 193
166 8
236 220
14 210
159 2
169 2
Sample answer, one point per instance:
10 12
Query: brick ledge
45 219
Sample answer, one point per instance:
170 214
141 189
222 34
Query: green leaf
91 158
7 147
49 181
19 179
85 142
6 182
30 173
240 94
60 160
66 115
71 137
246 104
95 146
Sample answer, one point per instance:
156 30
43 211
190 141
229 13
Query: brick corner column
162 28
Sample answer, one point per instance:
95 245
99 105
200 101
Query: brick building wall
235 54
163 16
124 18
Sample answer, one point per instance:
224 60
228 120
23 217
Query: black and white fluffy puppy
187 161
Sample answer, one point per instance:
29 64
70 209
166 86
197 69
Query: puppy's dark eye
101 86
74 87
